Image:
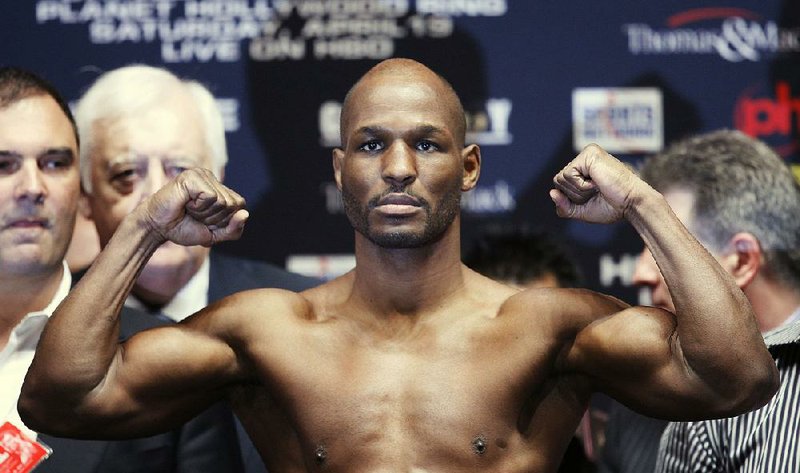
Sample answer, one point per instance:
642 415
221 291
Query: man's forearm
717 333
80 340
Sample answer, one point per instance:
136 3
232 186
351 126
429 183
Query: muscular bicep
635 356
160 378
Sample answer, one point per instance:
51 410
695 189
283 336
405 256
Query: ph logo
775 120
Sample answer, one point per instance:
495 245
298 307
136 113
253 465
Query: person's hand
595 187
194 209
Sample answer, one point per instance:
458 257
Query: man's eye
125 175
56 161
125 180
9 165
173 170
371 146
427 146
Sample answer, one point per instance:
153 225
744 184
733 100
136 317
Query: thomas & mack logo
735 34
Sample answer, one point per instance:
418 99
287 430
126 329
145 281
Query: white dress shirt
16 357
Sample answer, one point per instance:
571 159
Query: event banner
539 80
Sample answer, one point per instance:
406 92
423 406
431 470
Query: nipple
320 455
479 445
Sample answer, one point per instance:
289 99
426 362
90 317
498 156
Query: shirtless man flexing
410 362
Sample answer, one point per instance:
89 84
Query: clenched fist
595 187
194 209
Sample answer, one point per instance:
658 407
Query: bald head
401 72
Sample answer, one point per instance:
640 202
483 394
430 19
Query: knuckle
592 148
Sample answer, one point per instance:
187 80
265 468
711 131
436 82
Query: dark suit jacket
207 443
229 275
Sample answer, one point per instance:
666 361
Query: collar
63 290
786 334
26 334
61 293
192 297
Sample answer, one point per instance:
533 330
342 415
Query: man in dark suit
39 192
141 126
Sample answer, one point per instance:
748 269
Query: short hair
519 256
129 89
739 185
17 84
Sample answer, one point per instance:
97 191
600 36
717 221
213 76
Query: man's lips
28 223
398 204
398 199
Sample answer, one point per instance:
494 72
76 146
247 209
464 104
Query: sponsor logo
497 198
488 126
621 270
774 119
734 34
617 270
622 120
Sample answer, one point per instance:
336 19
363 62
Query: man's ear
84 208
471 160
338 157
743 258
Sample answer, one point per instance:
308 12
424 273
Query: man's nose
31 184
646 272
399 164
156 176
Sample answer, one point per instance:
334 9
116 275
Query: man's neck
772 303
407 282
156 288
21 295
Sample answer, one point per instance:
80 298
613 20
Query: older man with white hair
140 127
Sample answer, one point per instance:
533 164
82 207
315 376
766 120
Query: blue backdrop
538 79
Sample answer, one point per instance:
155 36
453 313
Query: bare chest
417 402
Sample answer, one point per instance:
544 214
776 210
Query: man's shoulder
559 300
230 274
537 309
